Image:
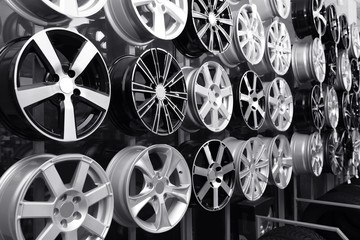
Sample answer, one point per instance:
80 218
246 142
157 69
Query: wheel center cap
67 209
212 19
159 188
160 92
66 85
211 175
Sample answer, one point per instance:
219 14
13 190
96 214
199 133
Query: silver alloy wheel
344 79
308 61
281 162
71 84
307 154
78 208
317 107
213 169
152 187
140 21
273 8
248 43
208 19
279 106
278 50
252 166
331 108
210 98
333 153
354 41
252 100
319 19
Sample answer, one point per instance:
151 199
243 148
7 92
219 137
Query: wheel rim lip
331 105
34 125
318 53
319 101
241 105
230 34
152 32
290 110
84 13
133 73
288 43
261 32
232 187
229 101
355 40
275 7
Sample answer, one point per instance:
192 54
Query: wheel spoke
35 93
262 177
141 2
215 197
244 173
94 226
159 23
138 202
146 71
155 127
196 14
220 154
204 92
84 57
70 132
208 154
228 168
101 100
173 106
175 12
177 77
180 192
54 181
97 194
204 110
170 164
203 191
80 175
73 235
36 209
50 232
200 171
162 217
146 106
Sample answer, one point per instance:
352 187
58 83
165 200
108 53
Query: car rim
74 8
344 33
332 34
331 61
345 120
355 73
317 107
281 163
319 16
309 66
152 187
280 108
81 207
210 98
307 153
155 90
333 154
331 108
344 79
72 91
252 100
355 110
213 173
354 41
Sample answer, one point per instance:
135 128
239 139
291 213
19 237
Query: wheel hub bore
160 92
66 85
67 209
212 19
160 186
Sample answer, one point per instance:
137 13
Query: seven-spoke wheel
210 98
152 187
68 196
67 80
213 173
333 153
307 154
151 93
331 110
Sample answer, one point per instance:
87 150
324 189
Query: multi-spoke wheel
308 17
252 166
151 93
354 41
67 196
16 26
49 12
95 32
332 33
250 101
273 8
333 153
213 172
355 74
343 71
279 106
209 28
152 187
210 98
309 109
308 61
331 61
281 163
307 154
277 56
331 110
248 43
344 33
51 88
346 118
141 21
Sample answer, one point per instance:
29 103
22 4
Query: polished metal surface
344 79
307 154
273 8
317 107
210 98
252 166
331 107
40 199
152 187
354 41
318 15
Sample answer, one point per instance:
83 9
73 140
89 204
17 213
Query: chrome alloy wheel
67 80
354 41
152 93
139 22
343 67
47 198
307 154
331 108
281 162
332 33
279 106
277 56
248 42
252 166
210 98
152 187
273 8
333 153
308 61
213 173
251 99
